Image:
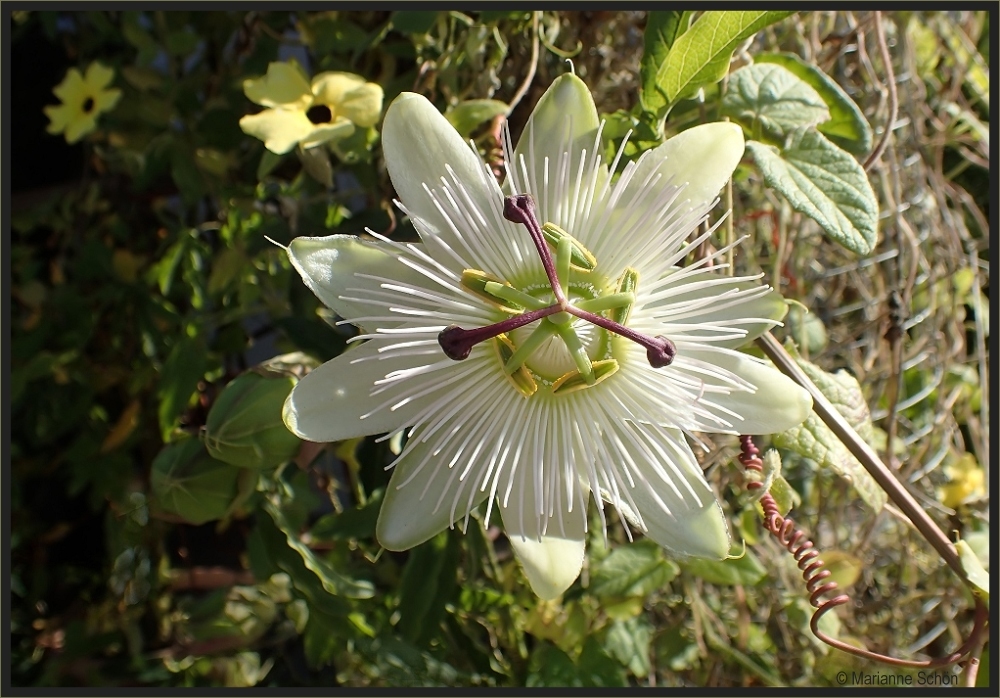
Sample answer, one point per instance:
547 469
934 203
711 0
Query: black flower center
320 114
88 104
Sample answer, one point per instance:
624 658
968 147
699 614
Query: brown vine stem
532 66
890 81
864 453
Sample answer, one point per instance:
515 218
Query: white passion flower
541 344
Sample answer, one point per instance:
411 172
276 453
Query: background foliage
142 284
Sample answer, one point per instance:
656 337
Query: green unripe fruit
244 426
188 483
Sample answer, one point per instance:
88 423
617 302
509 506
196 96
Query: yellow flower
308 114
966 481
83 98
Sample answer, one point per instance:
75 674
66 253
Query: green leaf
179 378
662 30
268 552
745 570
467 115
596 668
428 583
186 175
974 572
813 439
628 642
314 337
333 581
844 568
350 524
771 97
784 495
186 482
226 268
633 570
701 55
413 22
268 161
847 126
550 666
825 183
182 42
399 663
316 163
336 36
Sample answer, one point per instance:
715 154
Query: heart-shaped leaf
825 183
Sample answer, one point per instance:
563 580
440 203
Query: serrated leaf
333 581
428 583
701 55
745 570
974 572
813 439
633 570
847 125
773 98
467 115
825 183
662 30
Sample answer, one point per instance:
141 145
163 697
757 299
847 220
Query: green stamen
564 257
578 352
475 282
513 296
615 300
516 360
582 258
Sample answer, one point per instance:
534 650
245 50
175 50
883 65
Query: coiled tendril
806 555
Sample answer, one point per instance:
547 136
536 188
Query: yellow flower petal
72 88
106 100
98 76
285 85
80 127
341 128
350 96
59 117
280 129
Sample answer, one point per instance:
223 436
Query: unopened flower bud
244 426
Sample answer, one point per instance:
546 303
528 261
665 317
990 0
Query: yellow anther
521 377
475 281
628 282
574 380
581 258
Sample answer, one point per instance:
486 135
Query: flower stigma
531 357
